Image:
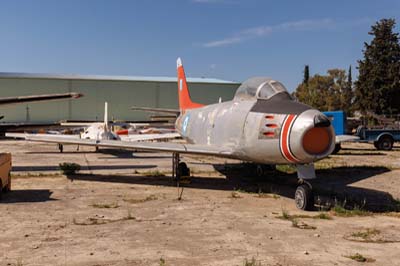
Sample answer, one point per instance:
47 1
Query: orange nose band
316 140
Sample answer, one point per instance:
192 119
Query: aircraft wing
156 110
144 137
128 145
38 98
51 136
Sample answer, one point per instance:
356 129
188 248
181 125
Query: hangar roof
111 78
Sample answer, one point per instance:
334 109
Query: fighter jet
262 124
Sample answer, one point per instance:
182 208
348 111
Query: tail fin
184 97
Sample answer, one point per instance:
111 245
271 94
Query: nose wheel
304 198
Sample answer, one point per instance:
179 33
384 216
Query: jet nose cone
321 120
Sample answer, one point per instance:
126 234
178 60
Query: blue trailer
338 120
383 137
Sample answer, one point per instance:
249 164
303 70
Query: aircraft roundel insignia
185 124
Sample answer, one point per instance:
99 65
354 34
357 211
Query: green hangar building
121 92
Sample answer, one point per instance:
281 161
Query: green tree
326 93
378 86
347 94
349 77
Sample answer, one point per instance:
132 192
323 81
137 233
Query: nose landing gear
304 197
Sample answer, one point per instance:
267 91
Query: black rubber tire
183 170
385 143
338 147
260 171
304 198
376 145
8 186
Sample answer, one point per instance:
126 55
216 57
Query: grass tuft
299 224
263 195
367 234
113 205
252 262
302 225
69 168
286 168
286 216
148 198
235 195
162 262
340 211
155 173
360 258
100 221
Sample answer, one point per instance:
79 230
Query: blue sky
227 39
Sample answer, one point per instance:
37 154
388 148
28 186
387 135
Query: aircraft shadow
362 153
88 168
27 195
333 186
330 188
118 154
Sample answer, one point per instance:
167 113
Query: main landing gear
180 173
179 169
304 197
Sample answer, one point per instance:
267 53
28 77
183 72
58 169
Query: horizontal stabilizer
156 110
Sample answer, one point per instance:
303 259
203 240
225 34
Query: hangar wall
120 92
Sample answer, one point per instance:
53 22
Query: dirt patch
138 220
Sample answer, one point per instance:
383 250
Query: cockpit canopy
260 88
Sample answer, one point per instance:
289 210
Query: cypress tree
349 78
378 86
306 74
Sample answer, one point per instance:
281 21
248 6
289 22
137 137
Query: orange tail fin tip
183 93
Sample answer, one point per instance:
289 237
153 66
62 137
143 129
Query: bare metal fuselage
254 135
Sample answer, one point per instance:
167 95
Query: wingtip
76 95
178 62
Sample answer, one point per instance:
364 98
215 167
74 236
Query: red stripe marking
284 139
269 134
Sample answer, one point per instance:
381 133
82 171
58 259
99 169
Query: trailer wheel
376 145
385 143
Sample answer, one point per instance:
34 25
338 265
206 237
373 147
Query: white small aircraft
99 131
